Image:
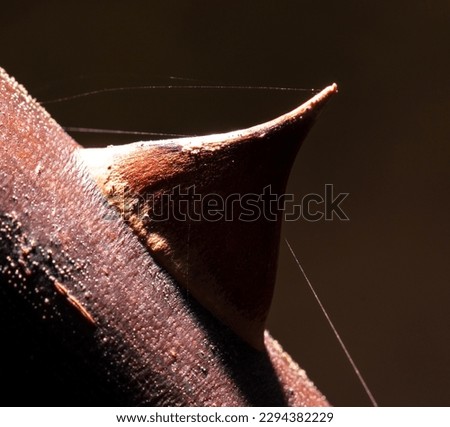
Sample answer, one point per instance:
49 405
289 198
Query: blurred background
384 275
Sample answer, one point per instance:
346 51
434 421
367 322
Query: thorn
206 209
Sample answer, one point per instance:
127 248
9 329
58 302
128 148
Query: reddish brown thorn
226 261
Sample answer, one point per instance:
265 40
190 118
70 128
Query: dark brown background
384 275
